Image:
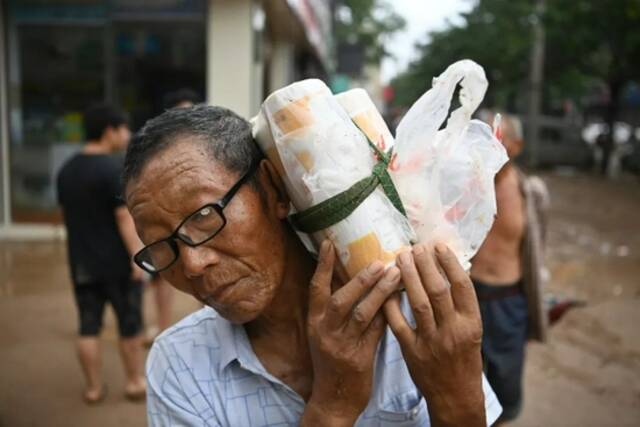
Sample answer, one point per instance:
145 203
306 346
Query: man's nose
196 260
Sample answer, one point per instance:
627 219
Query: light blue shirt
203 372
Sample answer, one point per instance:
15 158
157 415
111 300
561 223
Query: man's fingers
342 302
399 325
364 312
433 282
418 299
375 330
462 291
320 287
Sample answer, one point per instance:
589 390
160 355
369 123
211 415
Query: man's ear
275 193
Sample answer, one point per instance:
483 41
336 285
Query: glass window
66 55
59 73
151 61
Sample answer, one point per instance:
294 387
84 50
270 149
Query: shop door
153 59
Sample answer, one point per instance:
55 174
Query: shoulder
189 325
199 328
85 164
68 165
535 191
110 162
196 342
67 175
532 183
100 163
182 359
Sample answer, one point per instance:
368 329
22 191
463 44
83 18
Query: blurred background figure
609 151
162 291
184 97
101 241
506 273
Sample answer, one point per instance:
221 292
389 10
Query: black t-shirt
89 191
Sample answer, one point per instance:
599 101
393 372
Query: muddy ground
588 374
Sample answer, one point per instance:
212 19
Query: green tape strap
340 206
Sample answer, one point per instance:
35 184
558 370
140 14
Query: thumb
320 287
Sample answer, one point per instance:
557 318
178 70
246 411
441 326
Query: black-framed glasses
196 229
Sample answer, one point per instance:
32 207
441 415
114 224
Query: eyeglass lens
198 228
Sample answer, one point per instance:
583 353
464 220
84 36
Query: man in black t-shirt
101 242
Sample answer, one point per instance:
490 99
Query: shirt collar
226 339
235 345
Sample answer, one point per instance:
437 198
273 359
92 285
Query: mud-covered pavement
40 378
588 374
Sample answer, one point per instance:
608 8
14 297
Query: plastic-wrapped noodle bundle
322 154
440 183
365 115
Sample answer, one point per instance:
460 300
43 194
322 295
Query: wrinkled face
239 271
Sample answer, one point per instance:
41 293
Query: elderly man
280 341
506 274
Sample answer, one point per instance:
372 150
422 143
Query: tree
588 42
595 40
367 23
495 33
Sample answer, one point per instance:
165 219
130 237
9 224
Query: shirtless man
499 272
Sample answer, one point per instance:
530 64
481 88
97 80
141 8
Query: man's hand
443 351
344 329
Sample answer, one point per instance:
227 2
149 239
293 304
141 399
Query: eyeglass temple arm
227 198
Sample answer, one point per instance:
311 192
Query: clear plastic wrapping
444 177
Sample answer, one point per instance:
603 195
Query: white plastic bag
446 178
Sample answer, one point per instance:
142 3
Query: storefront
59 56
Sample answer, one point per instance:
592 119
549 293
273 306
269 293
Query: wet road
41 382
588 374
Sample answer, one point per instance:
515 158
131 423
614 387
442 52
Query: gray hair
226 136
515 125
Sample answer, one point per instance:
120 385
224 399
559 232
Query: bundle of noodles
320 152
322 145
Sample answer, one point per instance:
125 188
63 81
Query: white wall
5 213
282 64
233 77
